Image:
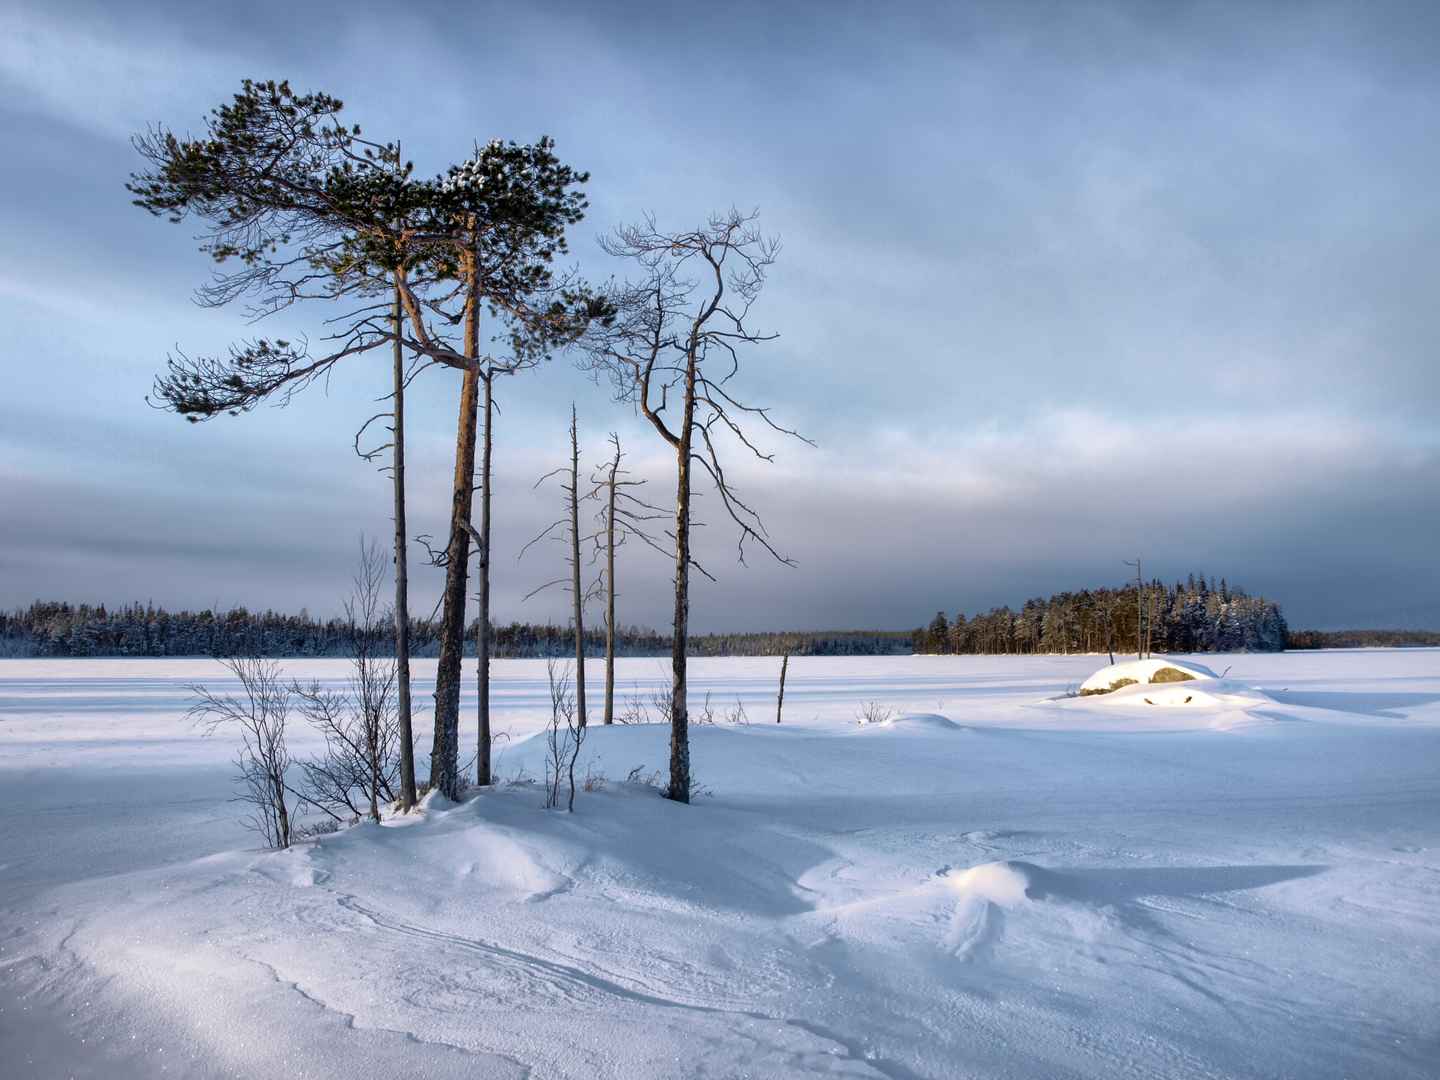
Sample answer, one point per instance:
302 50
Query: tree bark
679 713
402 579
780 698
576 595
482 632
445 751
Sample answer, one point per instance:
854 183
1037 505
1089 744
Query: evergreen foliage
1194 616
59 629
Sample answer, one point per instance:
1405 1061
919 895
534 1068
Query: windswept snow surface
1003 882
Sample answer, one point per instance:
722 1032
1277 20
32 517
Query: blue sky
1060 283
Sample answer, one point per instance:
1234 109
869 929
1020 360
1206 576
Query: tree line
1363 639
50 629
1189 616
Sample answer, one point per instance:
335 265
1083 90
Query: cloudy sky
1060 284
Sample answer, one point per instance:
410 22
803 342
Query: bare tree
401 609
671 333
577 596
1139 609
402 569
259 713
623 516
566 528
363 741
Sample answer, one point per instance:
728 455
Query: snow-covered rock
1154 670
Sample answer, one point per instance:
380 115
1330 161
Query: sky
1060 285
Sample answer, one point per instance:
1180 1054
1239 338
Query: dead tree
577 597
566 529
780 697
401 610
402 572
675 334
623 516
259 713
1139 610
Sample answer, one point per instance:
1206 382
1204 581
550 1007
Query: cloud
105 73
1055 289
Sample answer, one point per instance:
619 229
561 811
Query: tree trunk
610 594
780 700
482 632
576 595
679 712
445 752
1139 615
374 751
402 579
282 814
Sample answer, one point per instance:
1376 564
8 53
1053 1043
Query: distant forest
1193 616
59 629
1362 639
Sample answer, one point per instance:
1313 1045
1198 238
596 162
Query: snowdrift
916 722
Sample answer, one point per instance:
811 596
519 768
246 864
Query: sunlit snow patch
1143 672
917 721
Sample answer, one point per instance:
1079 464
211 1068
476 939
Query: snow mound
1193 694
919 721
1004 883
1144 672
982 896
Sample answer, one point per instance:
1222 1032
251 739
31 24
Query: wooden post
780 699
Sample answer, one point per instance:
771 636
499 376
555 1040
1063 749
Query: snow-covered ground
1049 888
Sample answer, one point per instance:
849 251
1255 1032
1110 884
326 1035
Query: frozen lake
1039 887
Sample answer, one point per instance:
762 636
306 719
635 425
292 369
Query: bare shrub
663 702
638 775
646 706
737 715
636 711
706 715
872 712
564 737
309 830
259 713
360 769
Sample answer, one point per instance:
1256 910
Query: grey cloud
1029 249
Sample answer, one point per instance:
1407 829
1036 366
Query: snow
934 721
1142 671
1003 881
